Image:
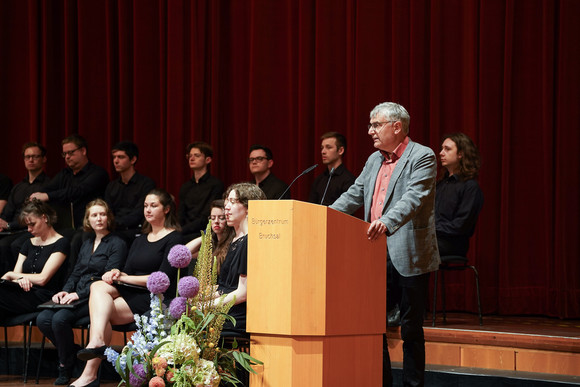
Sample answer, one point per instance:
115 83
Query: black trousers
57 326
411 294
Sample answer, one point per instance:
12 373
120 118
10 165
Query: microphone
327 184
296 178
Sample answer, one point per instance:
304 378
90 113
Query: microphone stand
296 178
327 184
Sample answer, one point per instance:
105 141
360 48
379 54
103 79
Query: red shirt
384 177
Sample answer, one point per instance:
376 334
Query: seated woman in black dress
232 277
458 198
39 270
102 252
116 305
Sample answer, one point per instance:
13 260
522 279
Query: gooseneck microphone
327 184
296 178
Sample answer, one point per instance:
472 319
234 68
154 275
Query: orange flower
156 381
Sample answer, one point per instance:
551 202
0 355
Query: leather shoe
394 317
92 353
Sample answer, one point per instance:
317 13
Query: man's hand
40 196
376 229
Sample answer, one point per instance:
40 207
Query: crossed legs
106 308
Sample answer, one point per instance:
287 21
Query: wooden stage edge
528 344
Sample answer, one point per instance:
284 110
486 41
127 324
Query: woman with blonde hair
101 252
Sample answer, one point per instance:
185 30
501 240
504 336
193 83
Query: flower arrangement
179 345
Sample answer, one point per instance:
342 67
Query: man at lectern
397 189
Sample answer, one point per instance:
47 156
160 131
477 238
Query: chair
83 323
453 263
125 328
242 340
27 320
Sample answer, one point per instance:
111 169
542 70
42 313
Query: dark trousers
57 326
413 293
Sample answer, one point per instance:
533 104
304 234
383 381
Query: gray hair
393 111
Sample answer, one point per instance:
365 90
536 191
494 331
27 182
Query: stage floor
511 343
513 324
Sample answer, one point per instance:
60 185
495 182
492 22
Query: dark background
165 73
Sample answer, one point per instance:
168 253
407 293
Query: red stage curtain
164 73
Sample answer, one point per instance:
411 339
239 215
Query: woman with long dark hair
221 234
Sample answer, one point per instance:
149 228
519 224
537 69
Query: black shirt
67 189
90 266
126 200
341 181
457 206
19 193
195 200
274 187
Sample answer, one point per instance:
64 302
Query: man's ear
133 160
341 150
398 126
270 163
208 160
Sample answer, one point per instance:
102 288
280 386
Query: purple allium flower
140 376
188 287
158 282
179 256
177 307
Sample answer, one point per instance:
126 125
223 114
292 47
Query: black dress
235 264
145 258
13 299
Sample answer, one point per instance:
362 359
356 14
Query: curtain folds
165 73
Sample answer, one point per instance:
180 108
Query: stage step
437 375
521 344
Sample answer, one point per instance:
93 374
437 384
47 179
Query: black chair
242 340
125 328
453 263
83 323
27 320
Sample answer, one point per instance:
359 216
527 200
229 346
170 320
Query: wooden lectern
316 296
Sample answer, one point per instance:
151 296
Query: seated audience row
82 181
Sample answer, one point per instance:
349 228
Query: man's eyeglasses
213 218
69 153
32 157
258 159
377 125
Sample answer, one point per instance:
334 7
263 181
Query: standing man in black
332 150
196 194
126 194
